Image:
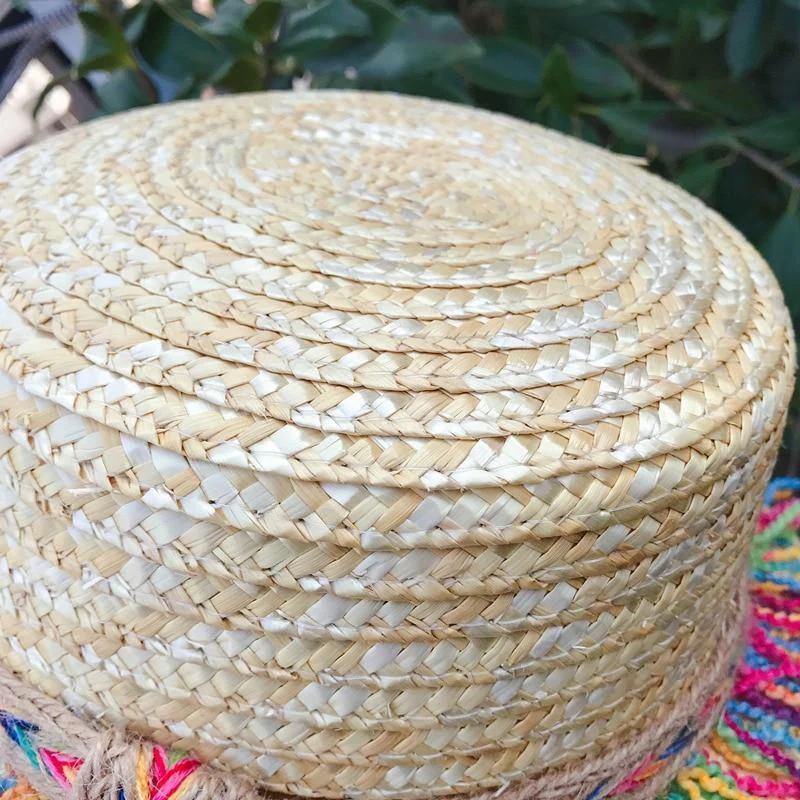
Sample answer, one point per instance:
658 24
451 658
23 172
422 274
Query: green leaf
748 37
134 20
341 57
382 14
599 75
558 79
92 47
229 17
584 7
555 5
787 24
700 178
782 83
632 122
608 29
736 101
712 24
445 84
781 248
655 38
558 119
423 42
243 75
175 45
685 46
780 132
262 20
746 198
105 30
319 24
103 63
590 131
123 90
506 66
240 19
672 130
670 10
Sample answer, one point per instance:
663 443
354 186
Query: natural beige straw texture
372 447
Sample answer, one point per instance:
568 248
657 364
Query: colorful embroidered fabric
165 777
755 750
754 753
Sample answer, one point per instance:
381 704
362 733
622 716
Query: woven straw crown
373 447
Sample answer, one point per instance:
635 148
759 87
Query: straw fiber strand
364 446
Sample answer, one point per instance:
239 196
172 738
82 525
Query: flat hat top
372 289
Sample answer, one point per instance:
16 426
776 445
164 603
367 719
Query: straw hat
371 447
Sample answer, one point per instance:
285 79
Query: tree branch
649 75
767 164
673 92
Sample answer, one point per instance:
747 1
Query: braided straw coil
373 447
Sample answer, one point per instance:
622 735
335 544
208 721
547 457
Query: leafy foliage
706 90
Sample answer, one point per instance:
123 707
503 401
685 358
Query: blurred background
707 91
